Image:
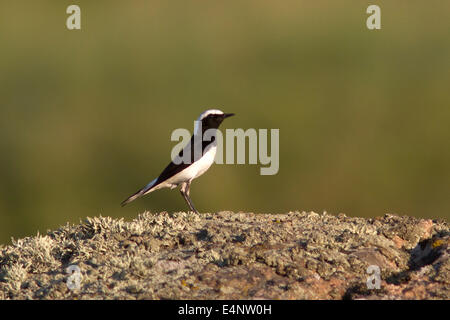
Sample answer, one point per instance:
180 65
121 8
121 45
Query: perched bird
182 173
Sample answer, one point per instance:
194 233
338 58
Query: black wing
172 168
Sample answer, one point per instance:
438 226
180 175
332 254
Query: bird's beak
226 115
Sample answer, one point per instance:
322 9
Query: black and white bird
183 172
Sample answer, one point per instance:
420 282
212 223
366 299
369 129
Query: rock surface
229 255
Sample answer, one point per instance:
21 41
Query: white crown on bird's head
204 115
209 112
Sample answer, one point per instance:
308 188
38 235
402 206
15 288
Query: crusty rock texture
230 255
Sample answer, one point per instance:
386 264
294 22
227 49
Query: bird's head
211 119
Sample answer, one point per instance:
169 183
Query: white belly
194 170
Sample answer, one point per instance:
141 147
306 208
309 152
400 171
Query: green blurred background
86 116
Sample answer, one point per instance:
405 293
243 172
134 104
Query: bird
181 174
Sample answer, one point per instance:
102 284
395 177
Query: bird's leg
185 189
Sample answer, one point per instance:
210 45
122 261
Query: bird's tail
139 194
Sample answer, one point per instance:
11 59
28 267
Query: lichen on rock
226 255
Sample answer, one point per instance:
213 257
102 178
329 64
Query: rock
228 255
